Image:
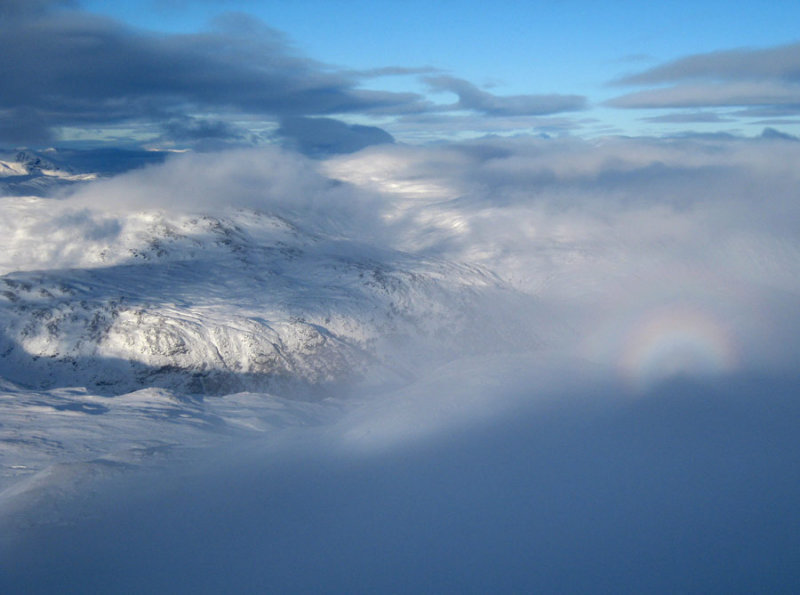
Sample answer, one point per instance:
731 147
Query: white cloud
608 229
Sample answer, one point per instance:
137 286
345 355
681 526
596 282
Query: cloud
773 111
759 78
605 231
776 122
67 73
394 71
204 133
712 95
22 126
427 127
75 69
195 129
621 226
26 8
770 64
694 117
263 179
473 99
326 136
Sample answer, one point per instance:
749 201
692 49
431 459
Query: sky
323 77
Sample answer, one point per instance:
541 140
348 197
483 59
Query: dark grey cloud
769 111
199 129
327 136
69 68
205 134
777 122
20 8
778 63
22 125
719 136
700 95
394 71
688 118
65 69
472 98
757 78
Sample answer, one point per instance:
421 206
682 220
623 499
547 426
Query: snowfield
469 367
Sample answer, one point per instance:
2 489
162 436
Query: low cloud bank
621 234
76 230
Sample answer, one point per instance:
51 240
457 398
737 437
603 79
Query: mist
689 488
598 392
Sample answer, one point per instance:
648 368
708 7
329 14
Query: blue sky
542 55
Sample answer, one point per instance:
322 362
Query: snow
29 174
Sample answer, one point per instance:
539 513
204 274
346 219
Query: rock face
207 304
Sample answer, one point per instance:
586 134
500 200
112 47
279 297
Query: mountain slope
217 304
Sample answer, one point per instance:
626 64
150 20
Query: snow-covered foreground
502 365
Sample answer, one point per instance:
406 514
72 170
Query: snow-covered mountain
28 173
213 305
129 316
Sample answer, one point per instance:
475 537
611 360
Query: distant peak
33 161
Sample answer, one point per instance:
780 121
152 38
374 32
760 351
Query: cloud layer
65 69
754 78
471 97
623 230
76 69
